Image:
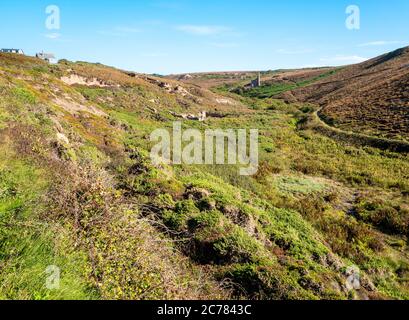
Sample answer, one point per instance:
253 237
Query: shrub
350 238
24 95
385 216
264 282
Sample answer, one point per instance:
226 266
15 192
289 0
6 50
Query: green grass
24 95
297 185
28 246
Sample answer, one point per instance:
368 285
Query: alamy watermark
194 147
52 282
53 21
353 281
353 21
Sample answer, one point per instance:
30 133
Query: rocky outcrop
200 117
76 79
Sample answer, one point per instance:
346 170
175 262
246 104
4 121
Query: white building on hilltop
45 56
17 51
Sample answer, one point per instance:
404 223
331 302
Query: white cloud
111 33
53 36
128 30
339 59
120 31
154 55
168 5
58 37
379 43
153 22
299 51
224 44
310 66
203 30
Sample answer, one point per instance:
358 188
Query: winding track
357 138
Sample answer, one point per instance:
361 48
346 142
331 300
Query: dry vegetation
370 97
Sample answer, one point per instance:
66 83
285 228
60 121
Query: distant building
45 56
185 77
17 51
257 82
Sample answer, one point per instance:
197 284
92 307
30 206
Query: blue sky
176 36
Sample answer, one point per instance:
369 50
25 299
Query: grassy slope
142 232
380 106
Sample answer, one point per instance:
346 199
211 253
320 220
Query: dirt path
357 139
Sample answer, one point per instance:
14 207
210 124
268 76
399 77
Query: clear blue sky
175 36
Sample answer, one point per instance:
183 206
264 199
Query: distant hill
370 97
231 78
214 79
